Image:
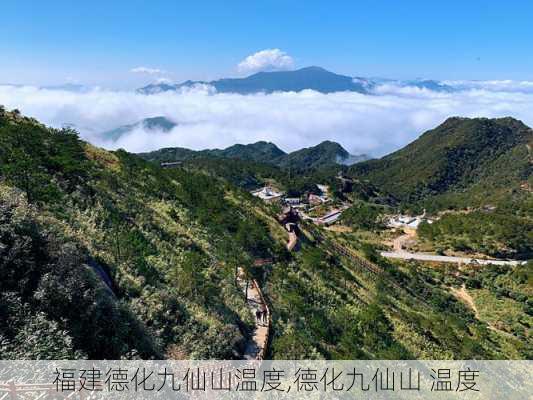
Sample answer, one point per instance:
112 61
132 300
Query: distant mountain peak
157 123
313 78
161 123
313 68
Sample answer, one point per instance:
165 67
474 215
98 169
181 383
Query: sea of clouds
374 124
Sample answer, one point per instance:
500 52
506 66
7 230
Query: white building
267 194
406 221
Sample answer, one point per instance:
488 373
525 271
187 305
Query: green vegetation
502 298
362 215
324 155
498 233
467 162
328 307
97 244
257 152
50 298
168 242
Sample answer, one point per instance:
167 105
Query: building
316 200
323 188
406 221
293 201
171 164
267 194
330 218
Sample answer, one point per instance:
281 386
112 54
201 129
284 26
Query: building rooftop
266 193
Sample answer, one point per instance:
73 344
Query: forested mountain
463 160
325 154
106 255
258 152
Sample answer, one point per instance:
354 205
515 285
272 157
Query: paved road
459 260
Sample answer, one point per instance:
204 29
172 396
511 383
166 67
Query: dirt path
463 295
399 242
255 347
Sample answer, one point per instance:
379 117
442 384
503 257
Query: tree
362 215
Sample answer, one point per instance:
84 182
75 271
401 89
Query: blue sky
99 42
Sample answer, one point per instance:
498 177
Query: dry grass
102 157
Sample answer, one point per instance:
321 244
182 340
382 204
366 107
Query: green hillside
71 211
463 161
106 255
322 155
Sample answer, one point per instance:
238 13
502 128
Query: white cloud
497 86
374 124
494 85
147 71
266 60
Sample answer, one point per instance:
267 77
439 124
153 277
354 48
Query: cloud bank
373 124
266 60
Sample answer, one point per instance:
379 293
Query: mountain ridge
326 153
307 78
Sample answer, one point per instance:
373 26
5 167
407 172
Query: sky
100 42
483 49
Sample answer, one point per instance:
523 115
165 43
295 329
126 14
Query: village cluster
317 208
